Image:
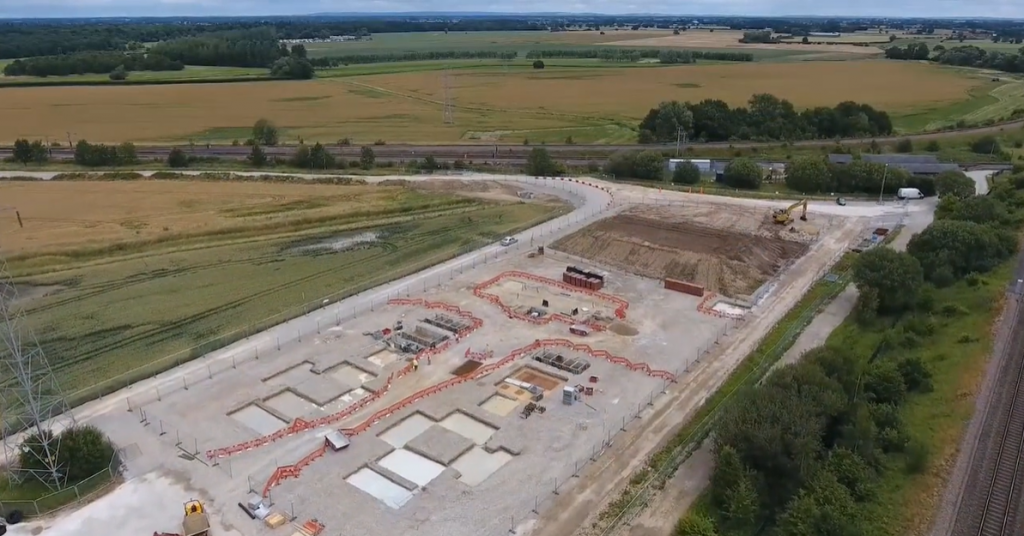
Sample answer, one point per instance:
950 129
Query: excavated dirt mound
731 264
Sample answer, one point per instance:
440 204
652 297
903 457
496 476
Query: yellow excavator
196 523
784 216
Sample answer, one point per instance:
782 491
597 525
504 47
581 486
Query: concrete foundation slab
349 375
346 400
439 444
290 404
382 489
383 358
258 419
400 434
468 427
500 405
412 466
478 464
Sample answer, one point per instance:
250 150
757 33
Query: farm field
490 104
729 39
120 275
392 43
989 101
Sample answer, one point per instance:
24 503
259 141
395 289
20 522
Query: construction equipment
196 523
784 216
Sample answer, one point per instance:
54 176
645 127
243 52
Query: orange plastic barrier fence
292 471
480 291
300 425
706 306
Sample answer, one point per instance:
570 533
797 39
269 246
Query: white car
508 241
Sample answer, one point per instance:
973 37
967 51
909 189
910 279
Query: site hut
703 165
916 164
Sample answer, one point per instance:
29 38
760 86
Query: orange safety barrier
301 426
706 306
480 291
293 471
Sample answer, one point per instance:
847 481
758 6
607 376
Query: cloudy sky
129 8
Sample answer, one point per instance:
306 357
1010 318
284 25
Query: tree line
243 48
49 39
765 118
358 59
90 63
634 55
806 451
962 56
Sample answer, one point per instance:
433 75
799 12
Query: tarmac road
508 153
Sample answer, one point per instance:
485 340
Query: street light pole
882 189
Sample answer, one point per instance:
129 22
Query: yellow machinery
784 216
196 523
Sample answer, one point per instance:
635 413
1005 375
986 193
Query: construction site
469 406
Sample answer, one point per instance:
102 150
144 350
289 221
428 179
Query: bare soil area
724 261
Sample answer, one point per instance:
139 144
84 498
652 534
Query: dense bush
97 155
84 452
686 173
766 117
743 173
626 54
960 248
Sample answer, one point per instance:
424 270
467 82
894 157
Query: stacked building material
578 277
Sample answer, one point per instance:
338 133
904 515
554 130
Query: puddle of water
478 465
412 466
400 434
500 405
258 419
380 487
340 243
468 427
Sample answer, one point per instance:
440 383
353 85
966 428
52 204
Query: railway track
1003 495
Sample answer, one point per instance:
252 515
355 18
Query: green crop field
988 102
393 43
203 263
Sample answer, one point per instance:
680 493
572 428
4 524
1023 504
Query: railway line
508 153
991 496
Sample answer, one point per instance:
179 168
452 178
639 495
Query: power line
34 409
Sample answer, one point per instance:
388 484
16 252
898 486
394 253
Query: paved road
515 153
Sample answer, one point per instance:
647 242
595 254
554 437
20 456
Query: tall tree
897 277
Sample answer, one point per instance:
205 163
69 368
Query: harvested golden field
74 214
408 106
730 39
603 92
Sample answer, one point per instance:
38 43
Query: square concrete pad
290 404
440 444
478 464
500 405
349 375
400 434
468 427
411 466
379 487
258 419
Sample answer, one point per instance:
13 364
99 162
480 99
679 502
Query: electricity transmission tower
449 112
34 411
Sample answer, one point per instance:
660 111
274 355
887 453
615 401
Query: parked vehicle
508 241
909 193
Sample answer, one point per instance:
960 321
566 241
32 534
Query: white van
909 193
